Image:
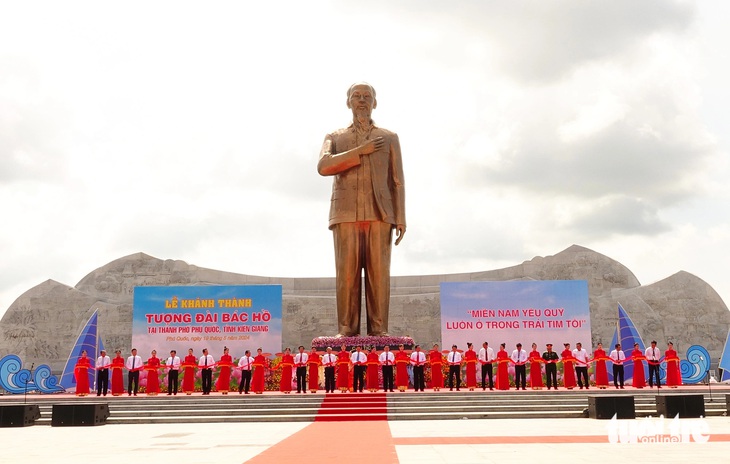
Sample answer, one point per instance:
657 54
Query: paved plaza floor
405 442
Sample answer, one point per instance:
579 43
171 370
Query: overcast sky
192 130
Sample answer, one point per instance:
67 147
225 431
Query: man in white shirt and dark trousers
300 361
387 361
652 356
618 357
329 361
418 360
133 365
454 360
581 366
245 364
102 373
173 364
205 363
486 357
359 360
519 357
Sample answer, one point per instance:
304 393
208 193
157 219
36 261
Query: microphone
25 393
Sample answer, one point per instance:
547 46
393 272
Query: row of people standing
356 371
359 370
653 357
134 365
575 366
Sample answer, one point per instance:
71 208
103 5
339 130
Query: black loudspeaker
684 405
604 407
19 415
79 414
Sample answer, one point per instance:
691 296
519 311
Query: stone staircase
349 406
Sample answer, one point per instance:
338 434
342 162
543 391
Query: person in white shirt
581 365
486 358
245 364
387 361
454 360
173 364
133 365
205 363
652 357
300 361
102 373
329 361
418 360
359 360
618 357
519 357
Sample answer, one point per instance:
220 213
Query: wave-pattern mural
16 380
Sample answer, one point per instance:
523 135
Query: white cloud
192 132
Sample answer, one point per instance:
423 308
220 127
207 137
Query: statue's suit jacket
386 176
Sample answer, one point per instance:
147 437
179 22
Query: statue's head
360 84
361 99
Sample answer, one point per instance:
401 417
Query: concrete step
400 406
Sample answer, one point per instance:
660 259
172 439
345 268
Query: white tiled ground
229 443
218 443
553 452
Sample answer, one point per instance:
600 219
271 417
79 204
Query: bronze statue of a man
368 202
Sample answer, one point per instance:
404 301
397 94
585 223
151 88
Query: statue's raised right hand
371 146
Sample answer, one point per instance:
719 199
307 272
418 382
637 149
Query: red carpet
353 407
320 443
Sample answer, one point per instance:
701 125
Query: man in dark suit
551 368
368 202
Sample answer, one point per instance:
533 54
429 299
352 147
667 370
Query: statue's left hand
400 231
